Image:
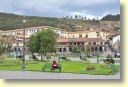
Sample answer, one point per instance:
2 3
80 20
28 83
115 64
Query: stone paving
45 75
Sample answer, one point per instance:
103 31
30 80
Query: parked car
90 55
100 54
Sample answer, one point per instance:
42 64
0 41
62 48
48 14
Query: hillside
12 21
110 17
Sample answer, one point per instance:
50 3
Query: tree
80 16
76 16
110 17
70 17
84 18
43 42
2 46
67 17
88 49
76 49
94 19
33 44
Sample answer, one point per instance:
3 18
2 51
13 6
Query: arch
100 49
96 48
92 49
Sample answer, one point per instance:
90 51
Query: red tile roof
78 39
62 40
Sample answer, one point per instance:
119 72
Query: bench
48 67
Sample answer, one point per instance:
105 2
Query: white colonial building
114 41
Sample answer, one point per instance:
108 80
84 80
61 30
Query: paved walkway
44 75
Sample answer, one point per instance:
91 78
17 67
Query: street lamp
72 44
17 46
97 48
23 65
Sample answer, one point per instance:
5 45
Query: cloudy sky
60 8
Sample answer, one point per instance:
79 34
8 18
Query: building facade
114 41
89 34
66 45
93 39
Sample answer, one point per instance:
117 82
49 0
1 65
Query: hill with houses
12 21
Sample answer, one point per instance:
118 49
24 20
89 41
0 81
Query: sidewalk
44 75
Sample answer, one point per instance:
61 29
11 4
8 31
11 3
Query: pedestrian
80 56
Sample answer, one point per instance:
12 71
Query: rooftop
79 39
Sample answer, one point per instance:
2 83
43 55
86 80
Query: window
78 43
86 36
74 43
82 43
80 35
70 49
94 43
64 49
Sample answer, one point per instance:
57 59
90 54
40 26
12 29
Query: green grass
79 67
67 67
3 57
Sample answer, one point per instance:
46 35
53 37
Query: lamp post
97 48
23 65
72 44
17 46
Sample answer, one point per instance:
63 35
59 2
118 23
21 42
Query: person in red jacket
54 65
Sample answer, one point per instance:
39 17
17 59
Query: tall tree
80 16
2 46
76 16
43 42
85 18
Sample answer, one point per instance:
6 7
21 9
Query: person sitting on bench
55 65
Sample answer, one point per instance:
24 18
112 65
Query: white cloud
19 12
91 2
57 8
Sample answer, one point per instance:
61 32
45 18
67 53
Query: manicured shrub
90 67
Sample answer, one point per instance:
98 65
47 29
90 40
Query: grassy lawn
67 67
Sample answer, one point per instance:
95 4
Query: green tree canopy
43 42
76 49
2 46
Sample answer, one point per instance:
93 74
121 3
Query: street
47 75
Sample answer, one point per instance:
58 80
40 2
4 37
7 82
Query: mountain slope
12 21
110 17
